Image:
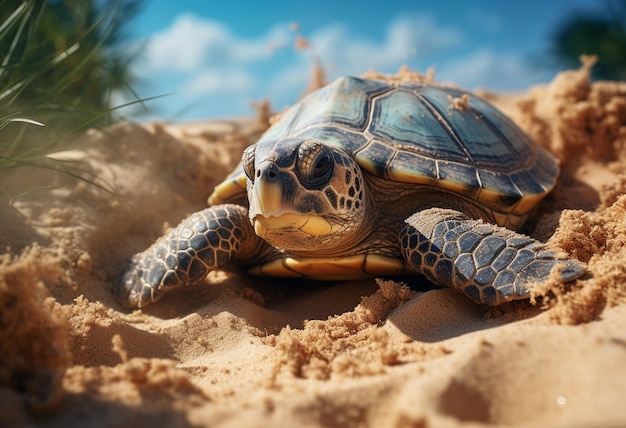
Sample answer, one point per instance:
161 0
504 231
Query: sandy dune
242 351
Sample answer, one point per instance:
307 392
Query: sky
215 59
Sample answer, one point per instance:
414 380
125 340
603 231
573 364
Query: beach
242 351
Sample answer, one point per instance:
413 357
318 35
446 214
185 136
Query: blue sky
215 58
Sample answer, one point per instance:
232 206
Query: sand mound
242 351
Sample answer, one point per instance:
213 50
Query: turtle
370 178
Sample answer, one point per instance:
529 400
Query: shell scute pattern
410 134
491 139
350 141
408 168
403 118
346 103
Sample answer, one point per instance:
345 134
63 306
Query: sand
238 351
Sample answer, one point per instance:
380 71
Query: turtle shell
433 135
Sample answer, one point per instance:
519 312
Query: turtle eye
315 164
248 162
322 165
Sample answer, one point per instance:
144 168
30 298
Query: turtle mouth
310 224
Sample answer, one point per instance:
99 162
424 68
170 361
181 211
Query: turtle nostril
268 172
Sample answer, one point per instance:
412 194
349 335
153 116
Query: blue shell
413 133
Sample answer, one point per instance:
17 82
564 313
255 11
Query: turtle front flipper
488 263
203 242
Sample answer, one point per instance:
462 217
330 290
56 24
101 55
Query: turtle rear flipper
203 242
490 264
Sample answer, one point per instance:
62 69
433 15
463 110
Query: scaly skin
488 263
203 242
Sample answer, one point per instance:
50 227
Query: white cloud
181 47
407 39
488 69
215 81
421 35
191 42
199 58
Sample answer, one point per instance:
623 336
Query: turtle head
305 196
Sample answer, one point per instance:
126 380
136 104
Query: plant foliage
603 35
61 61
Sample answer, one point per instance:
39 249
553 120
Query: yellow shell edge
224 191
